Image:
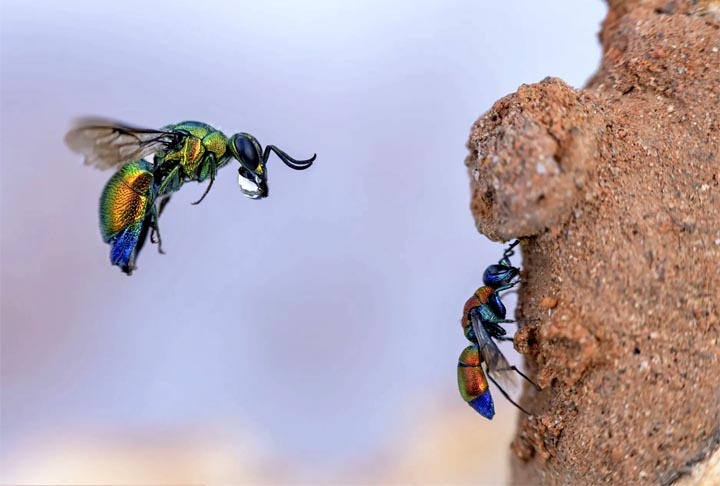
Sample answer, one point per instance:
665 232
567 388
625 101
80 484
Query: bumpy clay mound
615 192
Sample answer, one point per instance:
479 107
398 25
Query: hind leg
155 217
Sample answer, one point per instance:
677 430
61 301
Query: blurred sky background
309 337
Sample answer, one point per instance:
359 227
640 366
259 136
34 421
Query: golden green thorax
202 144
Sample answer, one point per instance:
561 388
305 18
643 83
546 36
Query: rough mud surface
615 193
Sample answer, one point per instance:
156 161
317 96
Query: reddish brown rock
615 193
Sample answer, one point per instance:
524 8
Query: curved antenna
508 253
289 161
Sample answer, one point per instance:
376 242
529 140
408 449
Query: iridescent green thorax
203 140
126 198
194 128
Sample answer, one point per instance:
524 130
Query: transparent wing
107 143
497 366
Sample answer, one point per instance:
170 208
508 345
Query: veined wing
497 366
107 143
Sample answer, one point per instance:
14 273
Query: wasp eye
245 149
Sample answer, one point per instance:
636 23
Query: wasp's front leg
207 169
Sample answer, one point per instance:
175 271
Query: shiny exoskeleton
485 303
187 151
127 212
482 316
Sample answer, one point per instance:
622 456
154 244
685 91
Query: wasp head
500 275
252 173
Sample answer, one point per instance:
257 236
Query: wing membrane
107 143
495 361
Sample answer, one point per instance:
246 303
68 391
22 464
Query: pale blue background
323 321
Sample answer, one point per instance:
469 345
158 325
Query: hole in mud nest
531 341
636 350
490 197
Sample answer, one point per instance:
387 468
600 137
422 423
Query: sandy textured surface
615 191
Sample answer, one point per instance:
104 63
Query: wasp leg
163 203
212 179
156 233
506 395
486 315
155 226
170 183
516 370
209 168
508 286
155 229
507 339
490 320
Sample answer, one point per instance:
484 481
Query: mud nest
615 192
